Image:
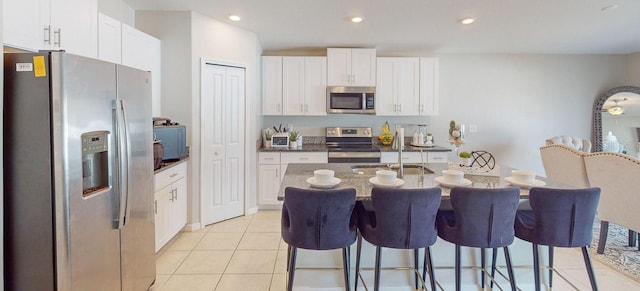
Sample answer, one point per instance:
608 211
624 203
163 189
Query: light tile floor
247 253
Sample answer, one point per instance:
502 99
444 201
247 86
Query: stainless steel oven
351 145
358 100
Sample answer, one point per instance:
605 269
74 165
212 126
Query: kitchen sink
370 170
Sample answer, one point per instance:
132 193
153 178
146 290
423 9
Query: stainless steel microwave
358 100
173 139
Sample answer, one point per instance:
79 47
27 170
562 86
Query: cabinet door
315 86
429 82
162 216
75 26
338 67
144 52
407 89
269 178
293 85
109 39
26 24
407 157
304 157
437 157
272 85
363 67
179 206
385 99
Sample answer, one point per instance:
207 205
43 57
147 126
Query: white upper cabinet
27 24
69 25
272 85
397 88
144 52
75 26
429 82
351 67
315 85
304 82
109 39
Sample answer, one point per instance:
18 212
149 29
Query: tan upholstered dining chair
577 143
564 164
618 176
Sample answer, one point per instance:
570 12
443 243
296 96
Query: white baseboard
192 227
252 210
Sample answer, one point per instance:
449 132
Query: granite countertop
297 175
170 164
410 148
323 148
305 148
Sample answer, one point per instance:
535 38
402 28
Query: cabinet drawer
407 157
170 175
305 157
437 157
269 158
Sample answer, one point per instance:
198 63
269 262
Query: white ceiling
398 26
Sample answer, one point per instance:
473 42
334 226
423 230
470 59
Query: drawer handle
268 158
173 175
438 158
304 158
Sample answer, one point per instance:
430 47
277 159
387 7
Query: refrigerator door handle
123 157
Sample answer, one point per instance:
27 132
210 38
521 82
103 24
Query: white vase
465 162
293 144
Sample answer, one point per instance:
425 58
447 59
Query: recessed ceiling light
234 17
610 7
467 21
356 19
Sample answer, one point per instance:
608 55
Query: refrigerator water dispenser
95 162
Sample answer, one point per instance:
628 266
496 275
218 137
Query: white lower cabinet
271 169
269 178
170 206
414 157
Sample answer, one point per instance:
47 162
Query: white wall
117 9
174 31
634 69
186 38
214 40
517 101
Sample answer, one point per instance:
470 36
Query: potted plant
267 137
465 159
293 139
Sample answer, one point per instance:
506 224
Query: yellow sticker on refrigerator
39 68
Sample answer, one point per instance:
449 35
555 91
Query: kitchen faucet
400 144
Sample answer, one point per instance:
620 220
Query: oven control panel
348 132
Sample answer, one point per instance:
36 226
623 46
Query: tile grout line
234 252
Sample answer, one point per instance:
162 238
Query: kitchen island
357 176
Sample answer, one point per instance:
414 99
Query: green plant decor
267 134
293 135
465 155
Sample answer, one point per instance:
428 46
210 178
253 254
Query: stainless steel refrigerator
78 170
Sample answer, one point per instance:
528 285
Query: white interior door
222 143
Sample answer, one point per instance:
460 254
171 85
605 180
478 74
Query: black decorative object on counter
483 159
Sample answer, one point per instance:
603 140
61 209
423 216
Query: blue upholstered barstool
481 218
559 218
318 220
400 219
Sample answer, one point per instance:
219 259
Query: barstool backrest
318 219
485 217
564 217
406 218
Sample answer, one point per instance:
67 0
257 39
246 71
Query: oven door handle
354 154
